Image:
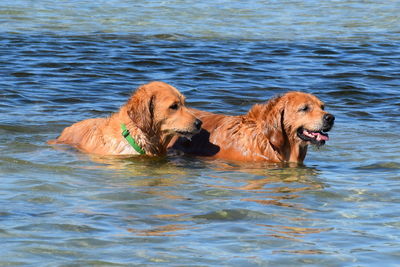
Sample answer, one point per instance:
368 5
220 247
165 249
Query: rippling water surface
65 61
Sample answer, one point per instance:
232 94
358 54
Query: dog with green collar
145 125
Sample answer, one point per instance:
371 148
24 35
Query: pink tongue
318 136
321 137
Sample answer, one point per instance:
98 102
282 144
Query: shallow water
67 61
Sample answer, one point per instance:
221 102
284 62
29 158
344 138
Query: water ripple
77 61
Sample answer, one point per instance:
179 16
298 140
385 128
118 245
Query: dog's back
81 135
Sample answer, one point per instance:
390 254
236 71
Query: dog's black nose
329 118
198 123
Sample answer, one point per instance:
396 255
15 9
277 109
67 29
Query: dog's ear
141 109
274 124
276 133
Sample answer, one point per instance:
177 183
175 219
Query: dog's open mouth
314 137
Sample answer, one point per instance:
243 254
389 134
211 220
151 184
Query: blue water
64 61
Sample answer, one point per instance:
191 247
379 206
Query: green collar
127 135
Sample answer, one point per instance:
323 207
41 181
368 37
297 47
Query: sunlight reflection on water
65 61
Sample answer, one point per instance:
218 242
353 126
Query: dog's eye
304 109
323 107
174 106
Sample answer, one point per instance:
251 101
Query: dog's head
159 108
306 119
294 118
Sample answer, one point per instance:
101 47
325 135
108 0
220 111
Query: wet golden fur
268 132
153 115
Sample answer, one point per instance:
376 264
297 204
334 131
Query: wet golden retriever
279 130
153 115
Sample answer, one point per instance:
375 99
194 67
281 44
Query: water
65 61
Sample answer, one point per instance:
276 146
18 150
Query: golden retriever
279 130
153 115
